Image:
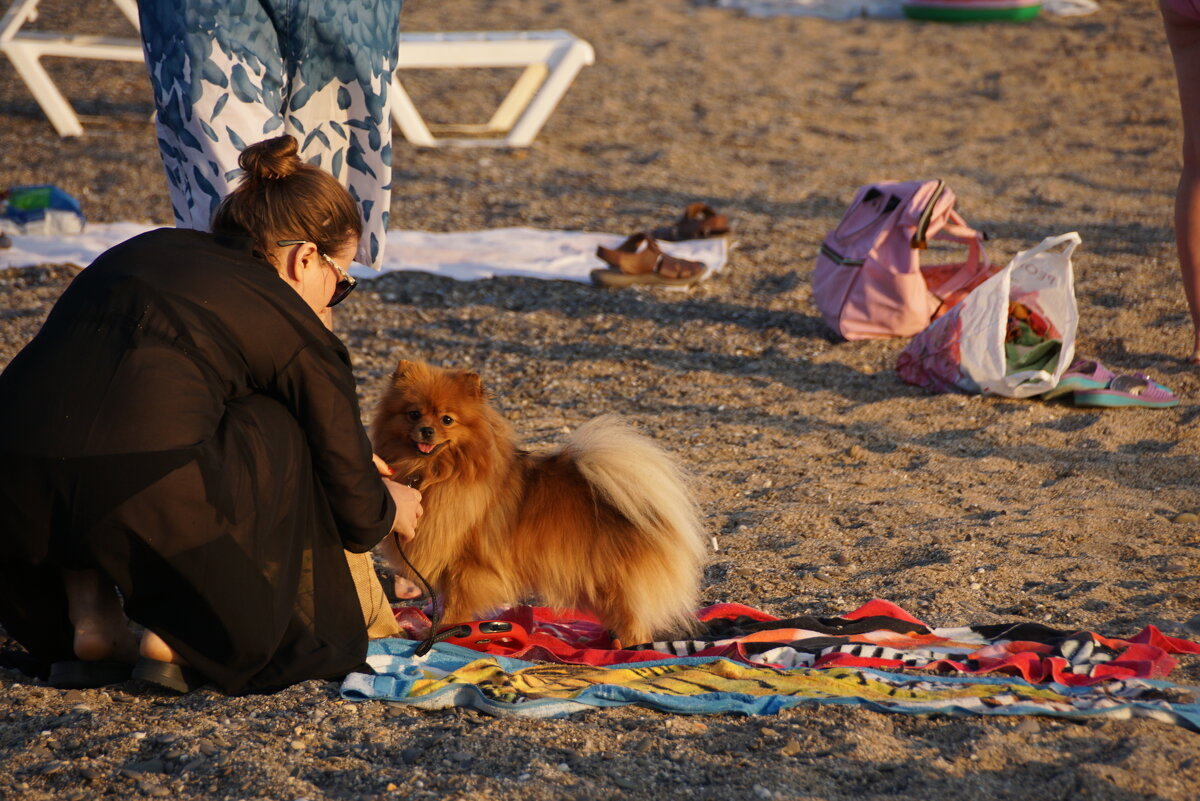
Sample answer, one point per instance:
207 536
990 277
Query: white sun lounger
551 60
25 49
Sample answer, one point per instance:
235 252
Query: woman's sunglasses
346 282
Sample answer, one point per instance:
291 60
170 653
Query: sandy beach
826 481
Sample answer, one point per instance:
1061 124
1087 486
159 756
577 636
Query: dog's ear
472 385
402 369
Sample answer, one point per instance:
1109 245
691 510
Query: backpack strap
957 230
977 262
919 237
977 265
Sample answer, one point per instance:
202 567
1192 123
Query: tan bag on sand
377 612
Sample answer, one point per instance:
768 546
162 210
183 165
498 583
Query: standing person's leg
340 58
217 77
1181 19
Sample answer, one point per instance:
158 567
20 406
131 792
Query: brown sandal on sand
699 221
638 260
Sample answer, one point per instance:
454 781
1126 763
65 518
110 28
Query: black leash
436 621
486 627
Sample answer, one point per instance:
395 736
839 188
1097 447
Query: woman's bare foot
156 648
101 630
97 639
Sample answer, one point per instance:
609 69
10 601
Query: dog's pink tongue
424 447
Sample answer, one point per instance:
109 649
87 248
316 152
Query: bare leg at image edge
1181 19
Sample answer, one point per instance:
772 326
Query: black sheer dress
185 424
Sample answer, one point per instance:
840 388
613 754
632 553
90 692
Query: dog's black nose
426 433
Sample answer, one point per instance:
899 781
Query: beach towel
462 255
750 662
878 634
451 676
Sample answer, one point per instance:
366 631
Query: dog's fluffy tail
644 483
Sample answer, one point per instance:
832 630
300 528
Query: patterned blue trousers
228 73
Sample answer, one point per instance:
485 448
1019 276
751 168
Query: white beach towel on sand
462 255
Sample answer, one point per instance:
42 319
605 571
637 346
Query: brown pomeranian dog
606 523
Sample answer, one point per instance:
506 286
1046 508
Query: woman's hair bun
271 159
281 197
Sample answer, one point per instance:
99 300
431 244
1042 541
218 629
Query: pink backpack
869 282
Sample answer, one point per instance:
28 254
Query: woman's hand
408 501
408 509
382 466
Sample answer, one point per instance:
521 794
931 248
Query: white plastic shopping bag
965 350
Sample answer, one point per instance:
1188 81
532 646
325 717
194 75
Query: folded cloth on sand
462 255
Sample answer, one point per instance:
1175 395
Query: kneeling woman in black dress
184 428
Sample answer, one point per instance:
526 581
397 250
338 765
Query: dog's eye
447 420
414 415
